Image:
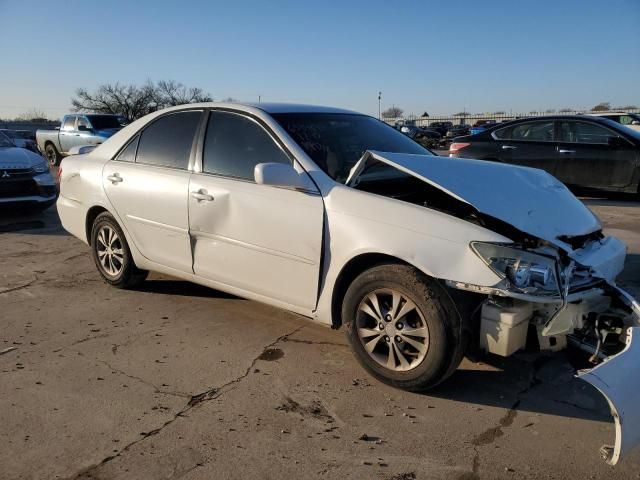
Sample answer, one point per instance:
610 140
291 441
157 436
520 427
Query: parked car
481 126
458 130
441 127
582 151
77 130
338 217
424 136
22 138
25 180
629 120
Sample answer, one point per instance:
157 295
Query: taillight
455 147
59 175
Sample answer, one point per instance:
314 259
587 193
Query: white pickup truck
77 130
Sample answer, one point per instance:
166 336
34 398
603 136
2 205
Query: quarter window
583 132
235 144
167 141
129 153
69 123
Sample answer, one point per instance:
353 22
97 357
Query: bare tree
565 110
462 114
602 107
168 93
550 110
392 112
135 101
500 112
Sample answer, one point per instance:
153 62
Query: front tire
403 327
111 254
52 154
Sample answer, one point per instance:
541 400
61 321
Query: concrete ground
180 381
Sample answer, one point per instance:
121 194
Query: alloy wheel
392 330
110 251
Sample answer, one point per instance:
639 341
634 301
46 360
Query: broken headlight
524 271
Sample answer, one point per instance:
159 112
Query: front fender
618 379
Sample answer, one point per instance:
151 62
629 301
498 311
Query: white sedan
338 217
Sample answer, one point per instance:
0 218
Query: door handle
509 147
202 195
566 151
115 178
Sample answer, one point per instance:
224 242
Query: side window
626 119
82 121
533 132
69 123
583 132
503 133
129 152
235 144
167 141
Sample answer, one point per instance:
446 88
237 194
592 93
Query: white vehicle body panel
529 199
288 248
152 203
259 238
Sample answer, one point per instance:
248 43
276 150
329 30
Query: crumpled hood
17 158
529 199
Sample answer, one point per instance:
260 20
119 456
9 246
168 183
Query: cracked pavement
179 381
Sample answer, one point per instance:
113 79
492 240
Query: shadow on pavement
182 288
536 383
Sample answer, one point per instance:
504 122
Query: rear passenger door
148 185
591 155
529 144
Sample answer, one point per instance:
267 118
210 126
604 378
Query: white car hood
529 199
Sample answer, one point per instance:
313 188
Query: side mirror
83 128
635 122
278 175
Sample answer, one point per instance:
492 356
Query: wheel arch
350 270
92 214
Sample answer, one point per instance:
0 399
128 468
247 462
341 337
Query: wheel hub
392 329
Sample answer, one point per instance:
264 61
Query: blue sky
437 56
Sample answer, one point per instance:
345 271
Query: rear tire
414 318
52 155
111 254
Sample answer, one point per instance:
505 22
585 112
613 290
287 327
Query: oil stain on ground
271 354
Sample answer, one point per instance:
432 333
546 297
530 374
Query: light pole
379 99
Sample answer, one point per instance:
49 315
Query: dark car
22 138
424 136
458 131
581 151
441 127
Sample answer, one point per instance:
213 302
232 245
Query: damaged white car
339 217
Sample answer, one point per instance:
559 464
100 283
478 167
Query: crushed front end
566 294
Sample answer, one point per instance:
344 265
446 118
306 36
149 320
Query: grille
18 188
15 173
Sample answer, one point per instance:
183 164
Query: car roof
590 118
603 114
